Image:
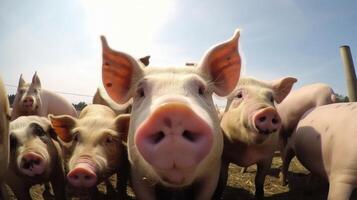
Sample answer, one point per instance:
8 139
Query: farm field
241 185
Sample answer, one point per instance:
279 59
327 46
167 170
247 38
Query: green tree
79 106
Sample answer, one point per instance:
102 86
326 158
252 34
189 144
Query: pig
4 135
292 109
34 157
323 142
174 139
251 126
102 98
31 99
93 147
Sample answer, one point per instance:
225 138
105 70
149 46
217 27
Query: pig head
93 144
250 116
174 136
27 99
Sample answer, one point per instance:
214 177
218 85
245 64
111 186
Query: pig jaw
174 157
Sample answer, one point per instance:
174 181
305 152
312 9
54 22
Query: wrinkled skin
4 135
34 157
324 143
31 99
174 141
250 124
293 108
93 147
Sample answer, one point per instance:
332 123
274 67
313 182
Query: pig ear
122 125
21 82
282 87
223 64
36 81
145 60
119 73
62 125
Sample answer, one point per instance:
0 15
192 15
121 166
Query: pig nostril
275 120
26 165
189 136
156 138
262 119
75 177
87 177
37 161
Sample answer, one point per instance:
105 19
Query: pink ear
36 81
223 64
21 82
119 72
282 87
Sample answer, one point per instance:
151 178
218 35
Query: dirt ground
241 185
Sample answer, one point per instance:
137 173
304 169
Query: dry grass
241 185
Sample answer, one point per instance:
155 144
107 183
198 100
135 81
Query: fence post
349 72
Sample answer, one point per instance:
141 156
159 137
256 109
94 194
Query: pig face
31 147
27 97
93 146
250 115
174 135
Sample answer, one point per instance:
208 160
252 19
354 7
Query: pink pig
174 141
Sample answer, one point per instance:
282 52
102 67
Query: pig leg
263 168
142 190
339 190
18 187
122 178
286 156
3 192
244 170
222 182
58 184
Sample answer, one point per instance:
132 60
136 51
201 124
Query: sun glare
129 25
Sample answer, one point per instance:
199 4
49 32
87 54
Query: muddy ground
241 185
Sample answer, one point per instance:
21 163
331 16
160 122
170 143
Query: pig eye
35 91
37 130
272 99
109 139
239 95
76 137
201 90
13 141
141 92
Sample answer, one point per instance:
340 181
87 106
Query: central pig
174 136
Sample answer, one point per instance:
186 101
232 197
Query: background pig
102 98
174 139
294 106
34 158
94 147
324 142
4 135
31 99
251 124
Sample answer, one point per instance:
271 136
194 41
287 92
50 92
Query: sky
60 39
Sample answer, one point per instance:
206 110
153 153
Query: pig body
4 135
31 99
174 141
102 98
251 125
293 108
35 157
324 143
93 147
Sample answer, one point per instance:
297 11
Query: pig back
323 139
55 104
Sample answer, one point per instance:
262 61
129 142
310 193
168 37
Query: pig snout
28 101
32 164
174 138
83 175
267 121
